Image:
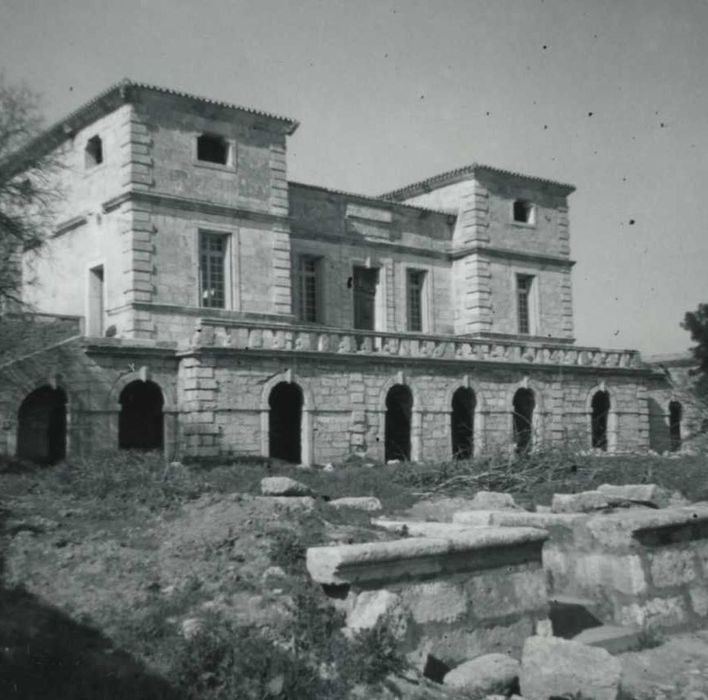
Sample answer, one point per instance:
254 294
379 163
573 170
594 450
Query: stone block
492 500
606 571
371 606
558 667
284 486
699 599
664 612
437 601
671 567
612 638
583 502
368 503
487 674
640 493
406 559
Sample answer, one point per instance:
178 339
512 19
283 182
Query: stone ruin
601 567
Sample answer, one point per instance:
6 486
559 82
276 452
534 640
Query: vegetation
696 323
29 189
101 524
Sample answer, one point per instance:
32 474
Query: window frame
90 162
422 274
230 152
530 300
302 276
531 223
226 237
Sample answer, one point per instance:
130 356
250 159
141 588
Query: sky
610 95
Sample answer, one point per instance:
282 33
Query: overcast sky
610 95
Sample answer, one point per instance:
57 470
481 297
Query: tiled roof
459 174
376 201
107 101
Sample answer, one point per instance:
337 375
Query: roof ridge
463 170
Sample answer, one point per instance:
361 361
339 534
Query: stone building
192 298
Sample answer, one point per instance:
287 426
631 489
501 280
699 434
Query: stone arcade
193 299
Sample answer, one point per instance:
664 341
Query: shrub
373 654
223 662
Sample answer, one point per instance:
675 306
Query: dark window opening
212 149
523 302
366 281
675 416
463 405
399 407
93 155
415 282
41 426
523 211
212 269
310 289
284 422
600 414
524 404
140 424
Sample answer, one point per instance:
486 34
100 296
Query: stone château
192 298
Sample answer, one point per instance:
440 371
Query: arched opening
399 408
524 404
141 424
41 426
462 428
285 422
600 406
675 415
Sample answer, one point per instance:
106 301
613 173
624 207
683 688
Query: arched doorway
599 417
285 422
399 409
675 416
462 423
41 426
524 404
141 423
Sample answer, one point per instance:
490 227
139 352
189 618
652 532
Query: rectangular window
94 320
310 309
414 295
524 285
365 283
212 269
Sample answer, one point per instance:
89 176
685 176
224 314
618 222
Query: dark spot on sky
385 55
545 46
624 179
71 88
590 114
422 97
662 125
631 222
488 113
594 36
545 126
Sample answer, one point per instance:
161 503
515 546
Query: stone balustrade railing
260 336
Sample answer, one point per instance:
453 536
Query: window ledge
521 224
213 166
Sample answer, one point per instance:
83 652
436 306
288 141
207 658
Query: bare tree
29 187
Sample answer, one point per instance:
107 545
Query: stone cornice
504 254
200 206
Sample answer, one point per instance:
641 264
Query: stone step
612 638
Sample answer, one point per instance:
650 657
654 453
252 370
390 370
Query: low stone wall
640 566
452 597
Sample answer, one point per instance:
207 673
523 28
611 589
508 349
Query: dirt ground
99 577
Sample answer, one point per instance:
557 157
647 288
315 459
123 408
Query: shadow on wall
45 655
